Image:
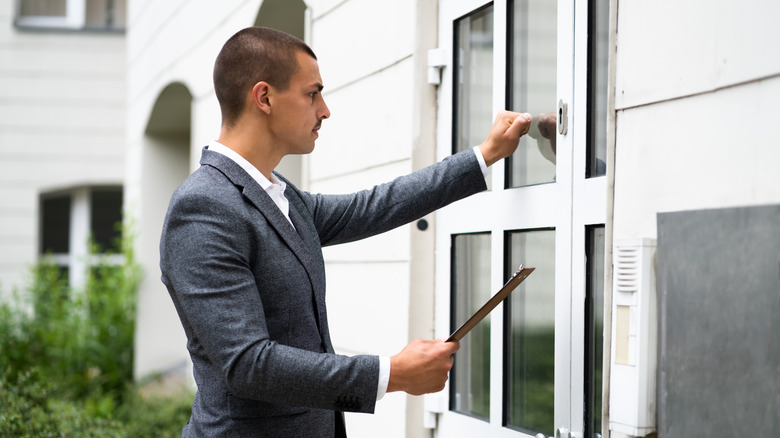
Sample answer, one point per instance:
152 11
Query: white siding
709 151
365 51
668 49
697 85
169 42
62 114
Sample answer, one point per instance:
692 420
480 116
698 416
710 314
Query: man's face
297 113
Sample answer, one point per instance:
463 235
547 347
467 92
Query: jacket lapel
304 224
310 258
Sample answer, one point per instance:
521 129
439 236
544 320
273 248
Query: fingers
452 346
504 135
519 126
422 366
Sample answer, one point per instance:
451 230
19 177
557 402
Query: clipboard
521 274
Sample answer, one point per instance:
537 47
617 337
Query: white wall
62 114
696 94
169 42
696 105
365 51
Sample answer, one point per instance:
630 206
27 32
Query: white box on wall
634 338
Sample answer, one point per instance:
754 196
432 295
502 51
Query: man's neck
259 153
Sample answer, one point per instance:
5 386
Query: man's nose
325 111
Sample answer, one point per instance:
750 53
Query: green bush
66 358
28 410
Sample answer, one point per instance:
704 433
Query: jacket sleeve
345 218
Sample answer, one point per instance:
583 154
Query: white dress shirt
275 189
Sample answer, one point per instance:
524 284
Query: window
71 220
470 390
598 81
531 84
107 15
105 218
530 334
473 91
594 329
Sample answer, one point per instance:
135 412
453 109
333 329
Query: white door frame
568 205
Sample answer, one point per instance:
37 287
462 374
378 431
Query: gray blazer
250 292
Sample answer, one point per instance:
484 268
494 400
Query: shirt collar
220 148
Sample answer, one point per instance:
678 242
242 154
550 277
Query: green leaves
66 356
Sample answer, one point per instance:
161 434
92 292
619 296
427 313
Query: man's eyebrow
319 86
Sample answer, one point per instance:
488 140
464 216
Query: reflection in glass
594 329
530 337
470 376
598 78
532 89
473 79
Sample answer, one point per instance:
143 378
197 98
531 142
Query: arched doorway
165 163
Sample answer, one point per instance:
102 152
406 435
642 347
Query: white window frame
74 18
78 259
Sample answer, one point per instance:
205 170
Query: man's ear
260 94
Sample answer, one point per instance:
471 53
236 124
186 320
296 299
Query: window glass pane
530 336
43 8
105 14
55 225
106 218
470 376
473 79
532 88
594 330
598 78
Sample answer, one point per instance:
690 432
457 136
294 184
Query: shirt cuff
384 376
481 160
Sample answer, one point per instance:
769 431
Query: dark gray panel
719 323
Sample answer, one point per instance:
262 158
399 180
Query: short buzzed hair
252 55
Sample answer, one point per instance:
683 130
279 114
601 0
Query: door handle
563 118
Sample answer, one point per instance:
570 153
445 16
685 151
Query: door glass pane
473 79
532 42
594 330
470 376
598 78
530 335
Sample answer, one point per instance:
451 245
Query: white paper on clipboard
521 274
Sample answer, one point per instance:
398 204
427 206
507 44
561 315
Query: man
241 254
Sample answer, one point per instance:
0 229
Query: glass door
522 372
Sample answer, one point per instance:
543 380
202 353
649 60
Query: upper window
532 42
107 15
